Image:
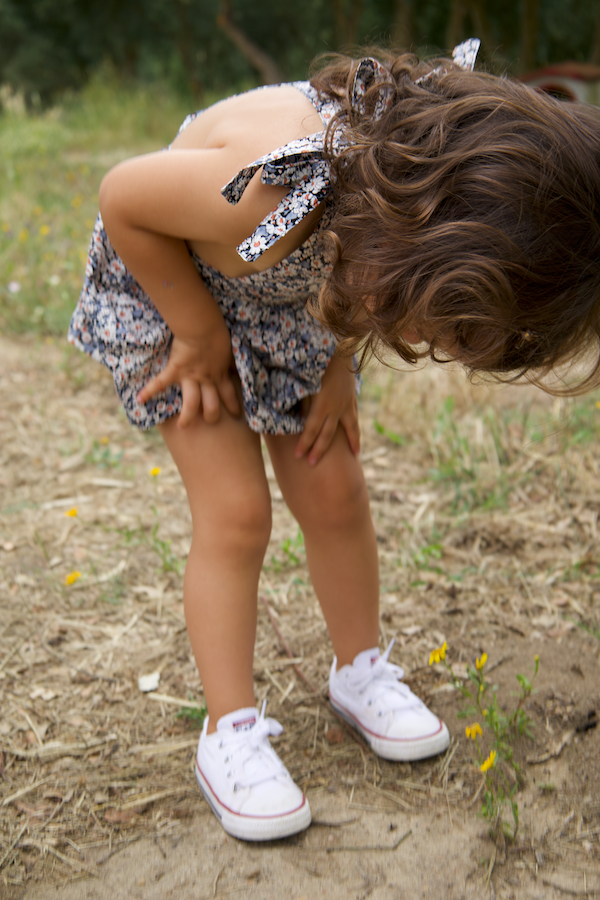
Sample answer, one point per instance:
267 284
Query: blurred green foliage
48 46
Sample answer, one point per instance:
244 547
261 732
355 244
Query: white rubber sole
399 749
255 828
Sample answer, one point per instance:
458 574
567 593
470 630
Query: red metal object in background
568 81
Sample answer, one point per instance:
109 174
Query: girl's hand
203 369
335 403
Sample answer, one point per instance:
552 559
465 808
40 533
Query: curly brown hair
468 213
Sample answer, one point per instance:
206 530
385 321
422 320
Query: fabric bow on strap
301 165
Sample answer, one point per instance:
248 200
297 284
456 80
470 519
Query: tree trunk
483 30
454 31
186 50
402 32
346 23
264 64
529 34
595 54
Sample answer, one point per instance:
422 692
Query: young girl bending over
408 205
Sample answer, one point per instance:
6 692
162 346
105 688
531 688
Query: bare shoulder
254 123
178 194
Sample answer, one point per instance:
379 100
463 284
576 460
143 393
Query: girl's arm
150 206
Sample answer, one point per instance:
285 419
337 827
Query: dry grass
486 506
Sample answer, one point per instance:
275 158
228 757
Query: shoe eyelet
226 759
229 774
235 789
370 703
221 745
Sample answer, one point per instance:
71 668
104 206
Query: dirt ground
488 540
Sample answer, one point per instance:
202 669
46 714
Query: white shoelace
382 680
250 746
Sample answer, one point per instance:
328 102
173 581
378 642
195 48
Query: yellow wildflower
45 230
104 440
5 227
597 404
23 235
72 577
480 663
489 762
37 210
76 201
71 512
473 730
438 654
155 471
484 711
536 658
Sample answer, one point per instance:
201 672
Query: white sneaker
245 783
395 723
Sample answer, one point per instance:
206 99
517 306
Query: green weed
136 536
291 549
392 436
505 727
103 456
193 716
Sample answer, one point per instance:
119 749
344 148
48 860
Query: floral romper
280 351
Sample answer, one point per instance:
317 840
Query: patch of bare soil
488 540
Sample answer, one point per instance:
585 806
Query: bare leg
222 469
331 504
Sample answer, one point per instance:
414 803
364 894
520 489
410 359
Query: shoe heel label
244 724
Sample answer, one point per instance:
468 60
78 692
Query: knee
337 499
239 521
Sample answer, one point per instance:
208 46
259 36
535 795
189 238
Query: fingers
229 397
196 396
312 427
318 434
190 403
157 384
349 422
323 441
211 405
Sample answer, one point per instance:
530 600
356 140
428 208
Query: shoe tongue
366 659
238 721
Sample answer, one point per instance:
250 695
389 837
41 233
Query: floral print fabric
281 352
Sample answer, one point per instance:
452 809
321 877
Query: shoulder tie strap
299 165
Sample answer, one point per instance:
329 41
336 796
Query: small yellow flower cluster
480 663
72 577
473 730
71 512
489 762
155 471
438 654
